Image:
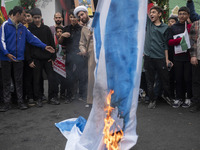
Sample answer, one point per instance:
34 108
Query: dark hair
17 9
10 12
184 8
59 27
28 11
173 17
157 8
36 11
71 12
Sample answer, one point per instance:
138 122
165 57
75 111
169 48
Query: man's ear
160 14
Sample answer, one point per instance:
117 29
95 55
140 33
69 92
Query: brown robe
85 35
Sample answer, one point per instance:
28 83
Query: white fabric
78 9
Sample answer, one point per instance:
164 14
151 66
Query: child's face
171 22
183 16
58 32
73 20
29 18
154 15
37 19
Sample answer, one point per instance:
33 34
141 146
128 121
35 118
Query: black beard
85 21
58 22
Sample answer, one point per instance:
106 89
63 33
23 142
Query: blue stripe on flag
67 125
97 33
121 53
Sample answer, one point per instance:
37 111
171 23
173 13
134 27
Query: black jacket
178 28
72 44
44 34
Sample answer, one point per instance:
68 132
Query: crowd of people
171 66
168 72
36 50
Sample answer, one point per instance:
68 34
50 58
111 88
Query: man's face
58 32
154 15
37 19
73 20
21 17
171 22
83 16
29 18
183 16
58 18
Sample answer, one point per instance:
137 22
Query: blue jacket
193 15
13 40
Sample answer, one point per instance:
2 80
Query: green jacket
156 40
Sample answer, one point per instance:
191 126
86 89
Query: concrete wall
48 10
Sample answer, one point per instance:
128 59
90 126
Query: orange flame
111 138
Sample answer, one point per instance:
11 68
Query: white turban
78 9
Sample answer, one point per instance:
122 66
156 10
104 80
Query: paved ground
163 128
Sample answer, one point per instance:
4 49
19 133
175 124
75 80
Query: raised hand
66 34
50 49
11 57
83 53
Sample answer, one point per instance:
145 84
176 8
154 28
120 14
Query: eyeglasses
182 14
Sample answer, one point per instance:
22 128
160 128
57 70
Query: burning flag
119 32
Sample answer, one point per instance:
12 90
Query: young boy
182 66
172 20
60 57
39 60
13 37
156 54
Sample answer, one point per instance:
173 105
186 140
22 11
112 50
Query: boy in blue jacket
12 45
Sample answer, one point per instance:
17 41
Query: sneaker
88 105
62 96
39 103
177 103
81 99
152 105
44 99
5 107
68 100
187 103
22 106
54 101
31 102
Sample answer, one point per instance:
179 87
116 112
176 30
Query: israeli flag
119 34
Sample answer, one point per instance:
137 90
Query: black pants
28 82
196 83
18 79
153 66
183 77
60 80
76 73
172 82
1 87
37 79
